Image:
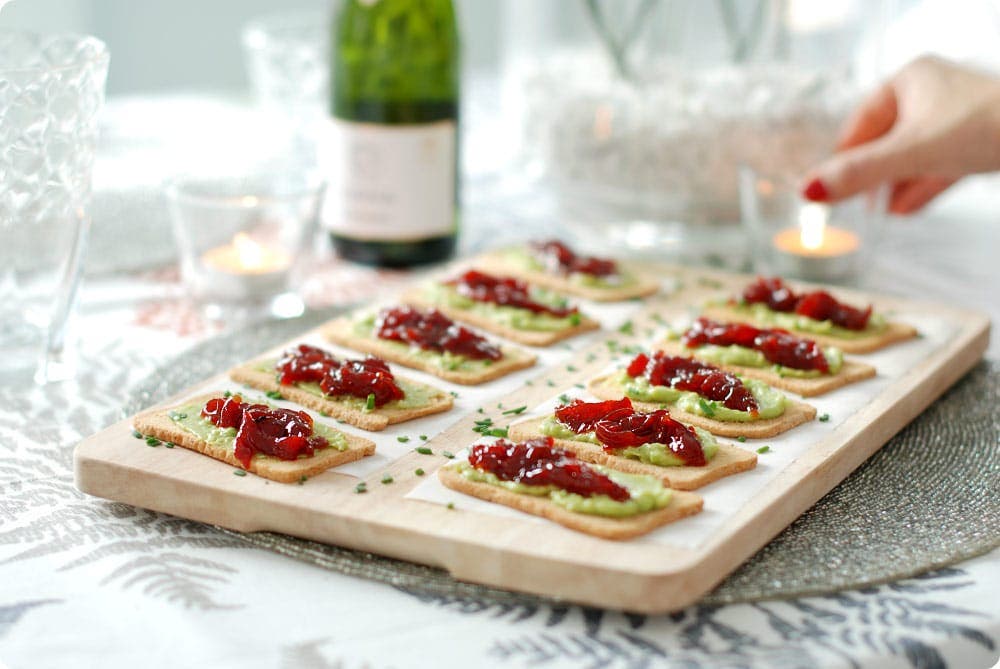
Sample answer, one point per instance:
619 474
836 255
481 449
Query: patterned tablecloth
86 582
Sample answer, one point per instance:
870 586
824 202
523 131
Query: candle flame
812 225
249 252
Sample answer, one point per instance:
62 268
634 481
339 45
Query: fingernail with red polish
816 191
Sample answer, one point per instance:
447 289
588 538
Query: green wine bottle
392 154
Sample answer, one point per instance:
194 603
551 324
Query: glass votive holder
242 242
795 238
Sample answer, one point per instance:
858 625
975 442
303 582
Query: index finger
873 118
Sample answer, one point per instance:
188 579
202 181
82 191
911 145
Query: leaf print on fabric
11 613
177 578
898 620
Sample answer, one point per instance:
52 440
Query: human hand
932 123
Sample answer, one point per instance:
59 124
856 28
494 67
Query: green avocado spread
792 321
652 454
189 419
415 395
770 402
446 360
748 357
522 259
513 317
647 493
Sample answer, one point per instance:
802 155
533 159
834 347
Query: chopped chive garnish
418 471
324 414
402 439
627 328
137 434
361 487
177 415
370 402
591 357
763 449
274 395
451 505
239 472
515 411
423 450
170 444
565 399
529 382
741 439
479 410
485 428
575 318
499 405
227 394
303 479
571 368
550 383
825 417
423 437
706 407
450 455
578 385
386 479
152 441
453 394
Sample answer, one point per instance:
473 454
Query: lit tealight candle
244 270
814 249
244 255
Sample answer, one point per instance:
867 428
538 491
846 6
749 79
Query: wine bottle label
389 182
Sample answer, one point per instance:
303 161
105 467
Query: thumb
859 169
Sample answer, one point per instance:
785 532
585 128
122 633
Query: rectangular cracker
728 459
796 413
526 337
894 332
341 331
497 263
850 372
373 421
156 423
682 504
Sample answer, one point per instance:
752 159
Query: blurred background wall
159 45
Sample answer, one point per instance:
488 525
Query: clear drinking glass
51 88
287 64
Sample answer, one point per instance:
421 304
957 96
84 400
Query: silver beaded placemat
929 498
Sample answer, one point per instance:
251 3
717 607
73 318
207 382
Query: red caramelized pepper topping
358 378
504 291
283 433
432 330
581 416
818 305
558 258
778 346
537 462
617 426
686 374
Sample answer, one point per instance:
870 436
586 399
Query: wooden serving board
519 552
